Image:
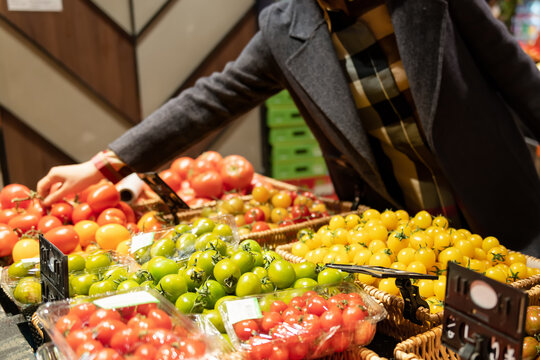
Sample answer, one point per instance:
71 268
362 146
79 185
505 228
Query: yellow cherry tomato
439 287
517 271
440 221
489 242
398 266
336 222
426 256
396 241
466 246
496 273
365 279
476 240
389 219
351 221
380 259
377 232
362 257
388 285
425 288
450 254
441 241
417 267
402 215
25 248
422 219
514 257
341 236
435 305
299 249
371 214
376 245
406 255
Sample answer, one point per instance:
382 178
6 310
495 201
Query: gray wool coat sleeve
210 104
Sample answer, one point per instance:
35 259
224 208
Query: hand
74 178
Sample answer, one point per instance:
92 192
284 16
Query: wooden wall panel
90 46
29 155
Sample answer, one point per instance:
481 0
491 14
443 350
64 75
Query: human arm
500 57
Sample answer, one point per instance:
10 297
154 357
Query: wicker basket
355 354
427 345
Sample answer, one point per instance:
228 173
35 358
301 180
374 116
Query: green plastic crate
297 169
281 98
293 134
294 151
284 116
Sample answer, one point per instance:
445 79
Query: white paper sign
245 309
124 300
140 241
34 5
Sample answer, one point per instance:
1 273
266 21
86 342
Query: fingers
44 185
55 196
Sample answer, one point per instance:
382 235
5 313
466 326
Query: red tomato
83 311
141 323
341 341
160 317
146 351
260 348
83 195
107 354
78 337
285 223
279 352
297 302
90 347
124 341
290 311
132 227
103 197
172 179
158 337
181 166
192 349
213 157
352 315
111 216
168 352
7 214
103 315
207 184
144 309
316 305
237 172
12 195
278 306
331 318
106 329
62 210
186 194
64 238
245 329
199 166
81 212
254 214
364 333
128 211
8 238
260 226
270 320
48 222
197 202
24 222
300 213
67 323
298 350
36 207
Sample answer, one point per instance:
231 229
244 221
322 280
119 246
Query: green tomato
224 231
28 291
140 276
202 241
329 276
116 274
305 269
215 318
148 284
260 272
203 226
18 270
227 273
81 283
98 263
188 303
194 277
267 286
223 299
192 261
210 292
185 244
172 286
76 263
163 247
244 260
207 261
265 302
182 228
142 255
217 244
303 283
248 284
270 256
127 284
250 245
162 267
281 273
258 259
102 287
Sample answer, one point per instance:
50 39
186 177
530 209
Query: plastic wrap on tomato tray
179 242
138 322
89 274
302 323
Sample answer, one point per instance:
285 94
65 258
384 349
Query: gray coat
466 73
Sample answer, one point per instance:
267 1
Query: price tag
169 197
482 318
30 261
140 241
125 300
245 309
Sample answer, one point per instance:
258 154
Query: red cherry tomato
24 222
278 306
36 207
260 226
111 216
270 320
207 184
83 311
298 350
101 315
172 179
107 354
160 317
254 214
144 309
168 352
245 329
8 239
48 222
279 352
181 166
364 333
146 351
90 347
64 238
158 337
199 166
260 348
7 214
62 210
192 348
341 340
12 195
67 323
124 341
81 212
128 211
316 305
105 330
132 227
103 197
213 157
236 171
331 318
78 337
352 315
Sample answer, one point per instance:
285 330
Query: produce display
421 243
137 324
312 323
531 344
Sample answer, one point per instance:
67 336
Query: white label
30 261
125 300
140 241
34 5
245 309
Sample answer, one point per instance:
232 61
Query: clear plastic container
302 323
179 242
24 289
169 333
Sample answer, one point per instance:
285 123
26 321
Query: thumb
56 195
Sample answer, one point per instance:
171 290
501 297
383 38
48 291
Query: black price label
483 319
164 191
53 267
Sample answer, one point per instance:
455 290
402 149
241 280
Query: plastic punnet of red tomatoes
312 323
531 342
89 274
133 324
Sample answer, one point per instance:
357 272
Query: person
415 104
